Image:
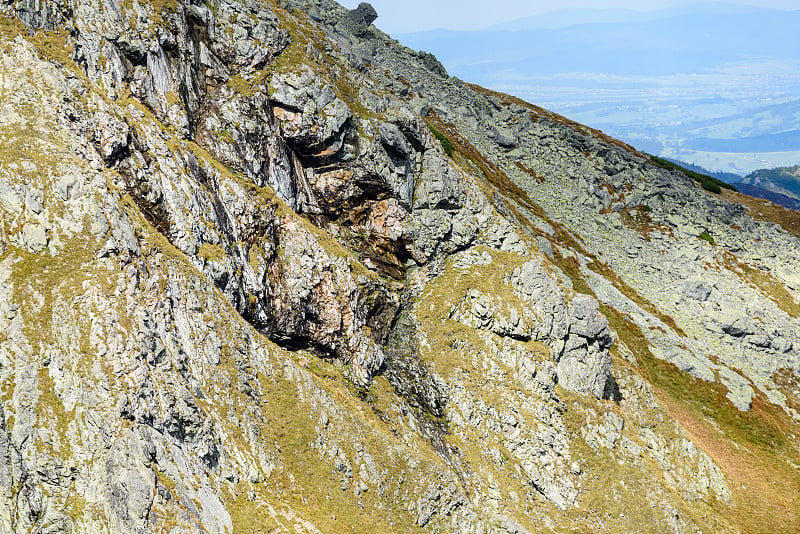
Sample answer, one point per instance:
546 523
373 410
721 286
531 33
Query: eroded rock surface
246 283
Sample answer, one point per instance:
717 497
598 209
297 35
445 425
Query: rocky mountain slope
263 269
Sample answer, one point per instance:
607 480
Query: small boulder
696 290
33 237
357 20
432 64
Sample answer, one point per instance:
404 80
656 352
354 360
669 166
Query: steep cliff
263 269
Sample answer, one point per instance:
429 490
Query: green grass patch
40 279
615 493
447 144
211 252
312 486
705 236
159 9
434 307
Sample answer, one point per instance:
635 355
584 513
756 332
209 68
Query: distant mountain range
716 84
575 16
675 43
780 185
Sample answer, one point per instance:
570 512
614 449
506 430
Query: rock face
357 21
263 269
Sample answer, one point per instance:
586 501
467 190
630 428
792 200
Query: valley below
714 85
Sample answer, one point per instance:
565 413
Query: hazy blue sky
398 16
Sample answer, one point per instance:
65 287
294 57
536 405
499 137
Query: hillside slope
766 194
782 180
263 269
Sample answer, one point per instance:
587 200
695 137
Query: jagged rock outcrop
357 21
264 269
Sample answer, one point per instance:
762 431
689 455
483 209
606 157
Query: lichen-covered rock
585 365
577 334
244 287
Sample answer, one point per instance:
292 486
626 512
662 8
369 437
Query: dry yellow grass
757 450
765 210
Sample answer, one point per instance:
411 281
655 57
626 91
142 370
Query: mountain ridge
781 180
262 268
681 29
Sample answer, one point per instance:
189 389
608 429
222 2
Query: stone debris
244 276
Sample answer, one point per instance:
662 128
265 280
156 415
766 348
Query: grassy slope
757 450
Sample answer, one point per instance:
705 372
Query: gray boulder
696 289
357 20
432 63
585 365
578 335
